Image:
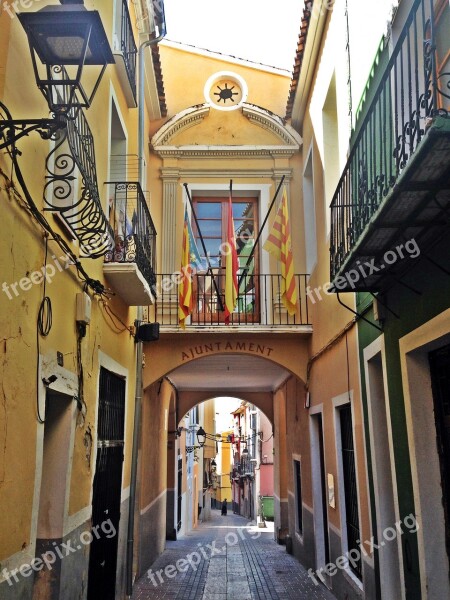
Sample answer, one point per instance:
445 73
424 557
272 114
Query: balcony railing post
128 46
432 50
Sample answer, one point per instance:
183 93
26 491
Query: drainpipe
139 315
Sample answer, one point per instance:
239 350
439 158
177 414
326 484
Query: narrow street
224 283
223 559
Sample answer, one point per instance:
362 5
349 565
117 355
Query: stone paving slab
227 559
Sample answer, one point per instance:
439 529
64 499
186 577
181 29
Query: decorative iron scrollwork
72 161
441 111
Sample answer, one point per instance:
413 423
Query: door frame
263 194
320 503
215 316
425 467
108 363
384 517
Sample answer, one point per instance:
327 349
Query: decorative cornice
181 121
224 151
291 140
170 174
271 122
227 173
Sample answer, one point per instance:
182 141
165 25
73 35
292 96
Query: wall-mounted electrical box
83 312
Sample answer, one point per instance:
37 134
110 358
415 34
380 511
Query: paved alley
223 559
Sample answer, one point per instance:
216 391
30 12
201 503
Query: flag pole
210 271
249 259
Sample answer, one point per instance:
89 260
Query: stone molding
289 138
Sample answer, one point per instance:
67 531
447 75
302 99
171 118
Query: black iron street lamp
62 40
201 436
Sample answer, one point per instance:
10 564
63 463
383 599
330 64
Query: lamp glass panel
66 49
57 36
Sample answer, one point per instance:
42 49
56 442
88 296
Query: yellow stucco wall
5 25
209 449
265 88
335 369
172 351
185 75
156 404
224 492
22 249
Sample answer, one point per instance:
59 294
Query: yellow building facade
77 429
69 356
224 489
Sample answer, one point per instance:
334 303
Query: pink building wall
266 480
266 476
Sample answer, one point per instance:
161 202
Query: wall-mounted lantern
62 40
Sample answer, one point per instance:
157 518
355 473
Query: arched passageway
264 374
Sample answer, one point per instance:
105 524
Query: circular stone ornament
225 90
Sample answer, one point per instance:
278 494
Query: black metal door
179 490
323 477
440 381
350 487
107 487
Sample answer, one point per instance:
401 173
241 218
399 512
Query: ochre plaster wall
265 88
172 351
22 250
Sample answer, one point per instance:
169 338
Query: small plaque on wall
331 498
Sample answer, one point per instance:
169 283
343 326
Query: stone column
170 179
170 244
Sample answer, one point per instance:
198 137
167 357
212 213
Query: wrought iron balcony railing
72 161
128 46
258 303
134 231
409 96
156 8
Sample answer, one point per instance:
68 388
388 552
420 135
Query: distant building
252 474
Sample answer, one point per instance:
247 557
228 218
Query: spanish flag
185 296
279 245
231 266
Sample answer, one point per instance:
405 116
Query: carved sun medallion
225 91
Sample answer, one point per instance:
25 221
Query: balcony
130 265
258 307
395 185
125 52
247 467
71 189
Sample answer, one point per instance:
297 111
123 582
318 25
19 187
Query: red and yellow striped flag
185 297
279 245
231 266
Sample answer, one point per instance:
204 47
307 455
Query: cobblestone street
223 559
